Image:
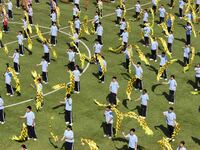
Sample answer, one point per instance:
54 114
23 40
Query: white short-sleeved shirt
162 12
8 77
68 104
170 38
163 60
70 135
97 48
118 12
30 116
114 86
197 70
77 75
145 17
125 37
44 64
144 99
181 4
181 148
137 8
54 30
76 1
71 56
46 48
138 71
53 17
10 5
154 45
96 19
170 118
16 58
154 3
77 24
109 116
20 39
122 25
75 11
186 52
172 84
30 11
132 141
39 88
1 104
147 31
198 2
100 30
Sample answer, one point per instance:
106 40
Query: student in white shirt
163 61
54 33
30 122
172 89
186 55
2 113
10 9
53 17
188 29
15 57
101 75
154 5
146 31
170 120
108 122
20 39
76 3
162 14
170 40
118 12
137 9
145 16
138 75
197 77
71 59
127 57
75 12
132 139
8 79
44 65
30 14
122 26
77 75
114 86
68 109
26 30
181 146
99 32
96 20
69 138
77 25
154 49
46 51
181 6
125 36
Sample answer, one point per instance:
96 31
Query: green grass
87 116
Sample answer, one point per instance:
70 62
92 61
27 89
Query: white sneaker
34 139
110 137
2 122
155 60
71 124
196 89
104 135
173 140
66 123
11 95
165 79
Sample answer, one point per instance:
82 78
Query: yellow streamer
130 87
92 145
23 135
186 68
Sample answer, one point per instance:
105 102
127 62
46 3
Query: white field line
110 14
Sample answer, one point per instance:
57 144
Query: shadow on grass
124 103
58 106
166 95
55 146
192 83
155 86
180 63
29 52
83 38
152 68
163 129
126 76
96 75
198 54
196 140
181 40
137 108
123 64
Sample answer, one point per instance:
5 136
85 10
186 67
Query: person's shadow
196 140
55 146
124 103
192 83
163 129
153 87
180 62
138 109
166 95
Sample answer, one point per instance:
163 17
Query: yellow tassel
141 55
1 35
165 145
30 44
92 145
23 135
165 48
130 87
103 67
16 79
5 49
164 27
186 68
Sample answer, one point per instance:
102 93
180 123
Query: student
30 14
188 29
69 138
23 147
77 75
77 25
20 43
53 17
101 76
2 113
163 61
170 120
127 57
99 32
46 51
145 16
122 26
68 109
75 12
169 24
144 98
39 86
96 21
26 30
197 77
181 6
44 65
71 59
18 4
186 55
15 57
138 75
132 138
146 31
76 3
162 14
137 9
181 146
114 86
125 36
109 122
172 88
10 9
154 49
170 40
100 8
154 5
8 79
97 48
118 12
30 122
54 33
5 24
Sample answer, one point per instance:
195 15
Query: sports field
87 116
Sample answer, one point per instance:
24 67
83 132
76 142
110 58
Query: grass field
87 116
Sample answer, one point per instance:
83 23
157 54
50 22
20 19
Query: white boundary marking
110 14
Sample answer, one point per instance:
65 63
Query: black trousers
180 12
99 38
31 132
10 14
16 67
113 98
21 49
136 14
77 5
53 40
2 115
5 28
186 61
68 146
143 110
146 41
77 86
127 64
154 7
108 129
153 54
37 1
71 66
121 31
171 96
131 148
188 39
44 76
68 116
17 3
197 82
162 19
9 89
171 3
47 57
171 130
101 76
95 26
169 46
164 75
138 84
118 20
169 29
77 30
30 19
